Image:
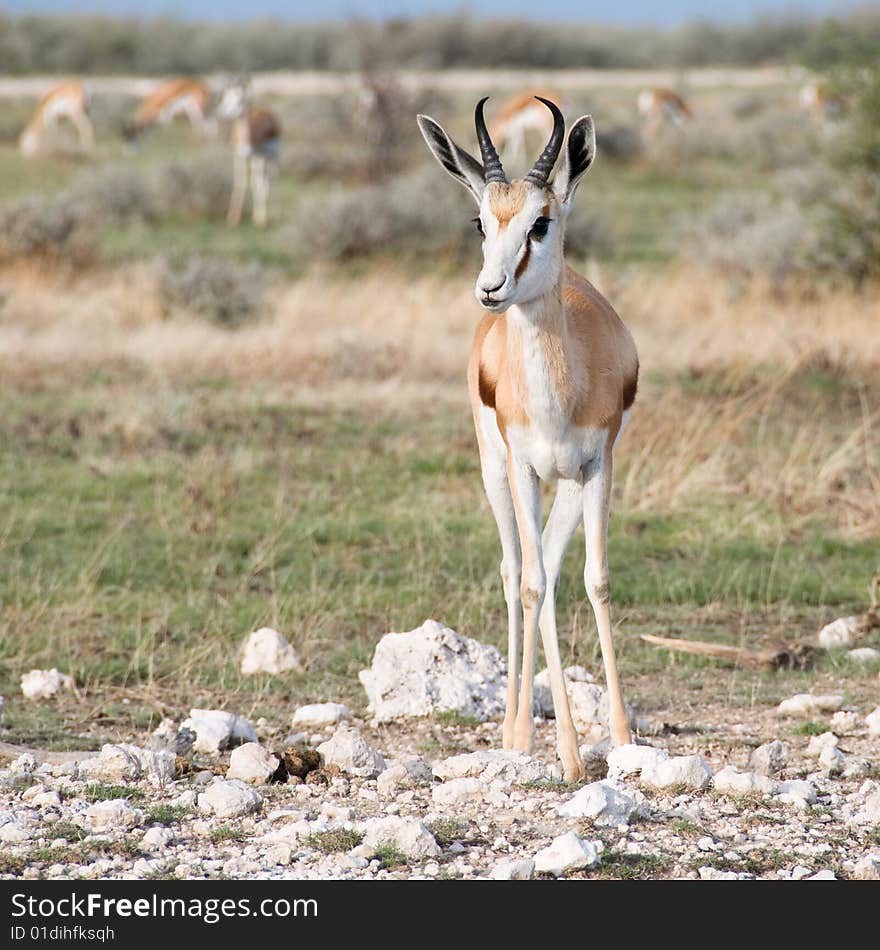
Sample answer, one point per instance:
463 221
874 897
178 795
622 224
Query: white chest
570 453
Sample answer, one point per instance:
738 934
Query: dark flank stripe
486 388
629 390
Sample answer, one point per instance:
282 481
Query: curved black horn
547 159
492 170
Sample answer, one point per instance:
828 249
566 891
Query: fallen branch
792 656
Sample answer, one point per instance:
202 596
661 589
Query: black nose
491 290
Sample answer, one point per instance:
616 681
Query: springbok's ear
462 166
580 150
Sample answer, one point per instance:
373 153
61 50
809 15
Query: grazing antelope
519 116
552 377
171 100
659 104
69 100
256 136
821 102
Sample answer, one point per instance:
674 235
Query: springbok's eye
539 228
479 226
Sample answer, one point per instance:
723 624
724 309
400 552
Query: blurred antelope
821 102
659 105
552 377
68 100
171 100
519 116
256 136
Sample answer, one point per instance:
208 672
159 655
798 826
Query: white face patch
519 263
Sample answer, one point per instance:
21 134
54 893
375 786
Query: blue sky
651 12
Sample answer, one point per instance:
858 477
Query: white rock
797 792
769 758
825 875
587 700
266 651
863 655
502 766
14 833
44 684
568 852
817 744
350 752
731 781
714 874
217 729
157 839
25 764
403 774
46 800
229 799
631 759
872 721
320 715
252 763
831 761
606 803
857 766
434 669
408 835
521 870
839 633
543 696
114 765
845 721
806 704
459 791
868 867
690 771
113 815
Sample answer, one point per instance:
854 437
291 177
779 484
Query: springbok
68 100
659 104
256 136
520 116
552 377
171 100
821 102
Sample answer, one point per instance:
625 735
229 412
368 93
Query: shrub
56 228
623 143
117 193
220 290
198 188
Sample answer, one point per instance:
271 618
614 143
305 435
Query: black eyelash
539 228
479 225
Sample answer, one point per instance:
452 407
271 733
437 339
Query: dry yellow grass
389 341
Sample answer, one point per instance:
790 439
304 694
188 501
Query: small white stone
459 791
350 752
838 634
44 684
217 729
868 867
769 758
521 870
252 763
50 799
568 852
731 781
831 761
319 715
845 721
409 835
797 792
502 767
817 744
806 704
691 771
872 721
14 833
266 651
863 655
403 774
606 803
113 815
824 875
157 839
229 799
631 759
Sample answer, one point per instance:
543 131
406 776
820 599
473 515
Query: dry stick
792 656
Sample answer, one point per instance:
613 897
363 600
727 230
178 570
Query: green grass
105 793
390 856
446 830
631 867
166 814
336 840
226 835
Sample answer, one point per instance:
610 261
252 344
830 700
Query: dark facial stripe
524 261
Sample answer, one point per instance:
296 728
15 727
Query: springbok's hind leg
564 518
239 186
597 507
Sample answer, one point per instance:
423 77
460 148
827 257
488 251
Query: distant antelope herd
256 131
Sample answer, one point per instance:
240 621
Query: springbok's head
522 222
234 99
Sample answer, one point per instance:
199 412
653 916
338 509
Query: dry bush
50 228
223 291
199 187
623 143
115 193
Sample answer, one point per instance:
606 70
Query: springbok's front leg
526 491
565 515
597 506
239 186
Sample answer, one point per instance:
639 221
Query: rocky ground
403 795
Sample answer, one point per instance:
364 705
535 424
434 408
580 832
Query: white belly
569 453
